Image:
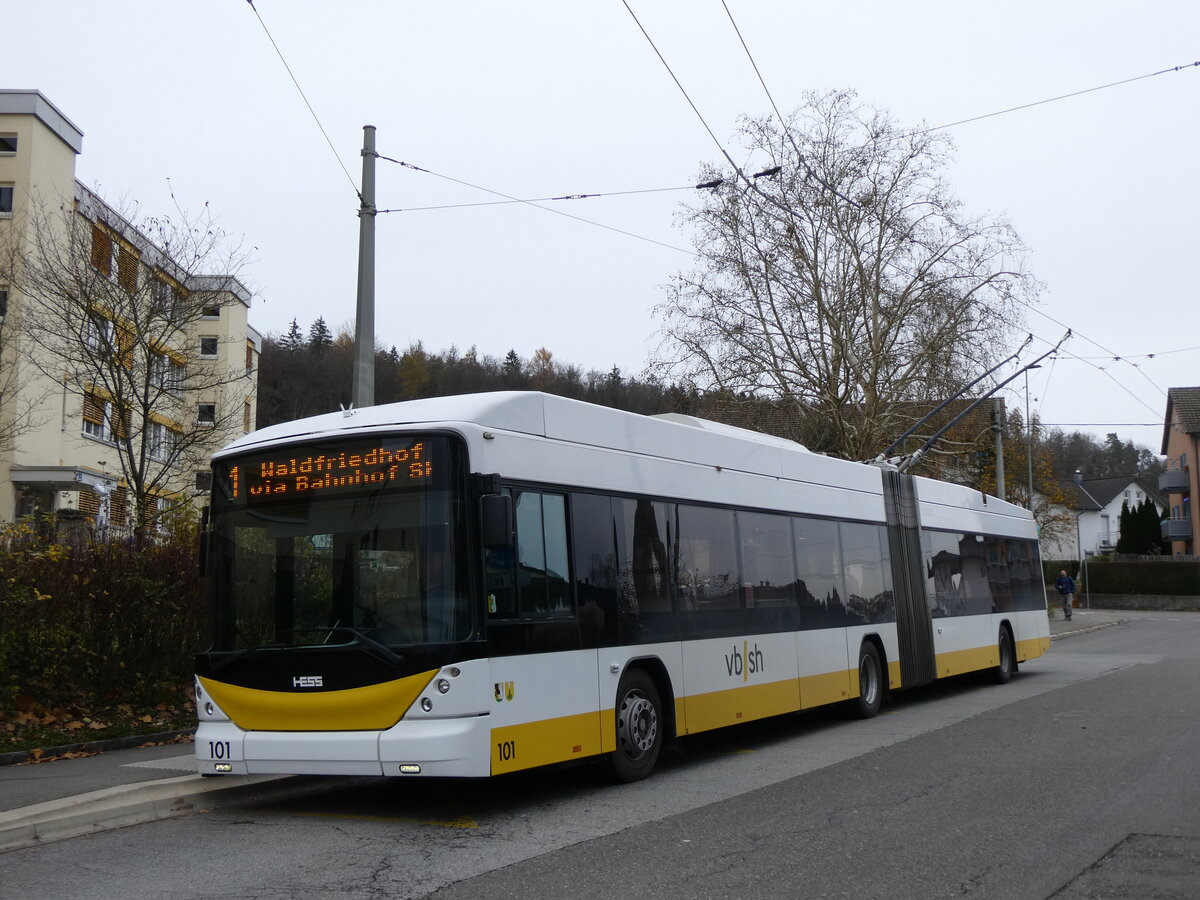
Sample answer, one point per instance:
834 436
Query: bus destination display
333 470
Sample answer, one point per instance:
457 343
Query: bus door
914 630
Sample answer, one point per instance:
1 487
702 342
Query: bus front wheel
639 726
870 680
1003 671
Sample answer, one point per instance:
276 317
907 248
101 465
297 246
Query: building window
97 334
209 346
160 441
102 249
118 506
210 312
249 358
246 411
166 298
127 268
6 200
95 414
166 374
8 145
206 413
3 303
89 503
204 481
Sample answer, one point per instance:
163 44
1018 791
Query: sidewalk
54 800
50 801
1084 621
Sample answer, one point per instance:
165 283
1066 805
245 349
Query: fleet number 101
506 750
218 750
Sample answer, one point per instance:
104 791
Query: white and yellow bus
473 585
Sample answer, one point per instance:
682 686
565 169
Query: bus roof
525 412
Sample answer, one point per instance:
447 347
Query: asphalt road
1074 780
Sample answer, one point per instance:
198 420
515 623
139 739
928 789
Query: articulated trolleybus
474 585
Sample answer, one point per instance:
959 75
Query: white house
1096 506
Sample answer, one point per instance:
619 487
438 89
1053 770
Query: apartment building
1181 481
122 366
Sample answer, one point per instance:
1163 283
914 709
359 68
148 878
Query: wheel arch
657 670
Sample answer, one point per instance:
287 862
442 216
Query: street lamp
1078 542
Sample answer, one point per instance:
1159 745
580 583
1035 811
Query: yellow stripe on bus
1033 647
375 707
548 741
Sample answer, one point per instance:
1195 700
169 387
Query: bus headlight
426 704
443 686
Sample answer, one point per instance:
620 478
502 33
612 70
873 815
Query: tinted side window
644 596
943 574
594 533
768 571
867 570
976 585
819 573
542 569
706 570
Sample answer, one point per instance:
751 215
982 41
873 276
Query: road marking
171 763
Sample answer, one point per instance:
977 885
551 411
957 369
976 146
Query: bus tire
1002 672
870 680
640 722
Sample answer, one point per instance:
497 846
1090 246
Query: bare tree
112 311
842 282
19 406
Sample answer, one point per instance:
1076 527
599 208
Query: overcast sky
544 98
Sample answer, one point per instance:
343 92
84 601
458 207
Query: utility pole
998 419
363 393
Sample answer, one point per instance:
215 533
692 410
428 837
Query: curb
17 757
135 804
1088 630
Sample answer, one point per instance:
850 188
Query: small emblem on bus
504 690
308 681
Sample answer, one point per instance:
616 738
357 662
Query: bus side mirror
497 521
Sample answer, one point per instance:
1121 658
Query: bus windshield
315 543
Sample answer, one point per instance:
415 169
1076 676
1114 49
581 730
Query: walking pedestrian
1066 587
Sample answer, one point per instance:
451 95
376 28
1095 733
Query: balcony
1174 481
1177 529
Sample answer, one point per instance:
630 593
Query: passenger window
768 568
819 574
542 567
707 566
868 577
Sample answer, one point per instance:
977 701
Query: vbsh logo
745 662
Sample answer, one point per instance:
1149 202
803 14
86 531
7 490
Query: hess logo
308 681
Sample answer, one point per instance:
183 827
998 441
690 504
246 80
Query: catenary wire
782 122
557 212
312 111
686 187
1100 87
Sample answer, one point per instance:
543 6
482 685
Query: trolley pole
363 393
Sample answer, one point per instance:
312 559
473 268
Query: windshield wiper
220 664
371 645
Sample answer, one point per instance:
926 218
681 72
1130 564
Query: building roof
34 103
1183 403
1097 493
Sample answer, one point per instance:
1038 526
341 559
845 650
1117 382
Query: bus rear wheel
1003 670
639 727
870 680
